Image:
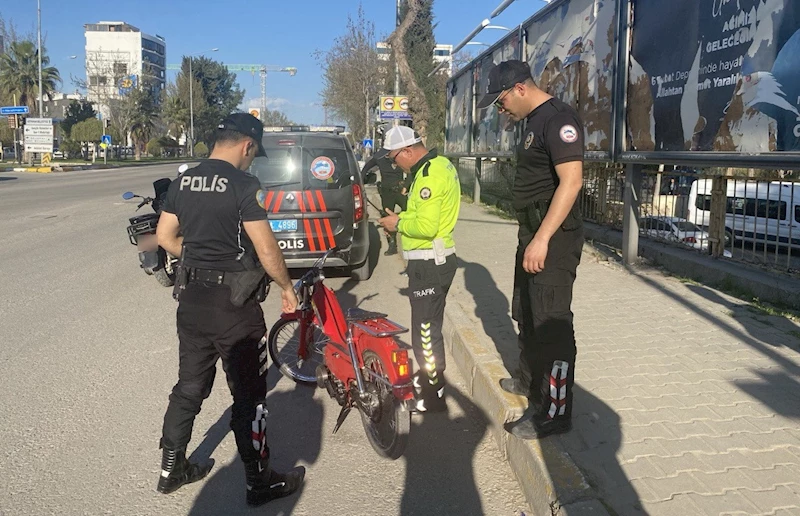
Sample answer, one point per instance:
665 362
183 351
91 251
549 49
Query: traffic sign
38 121
14 110
367 143
39 130
46 158
394 107
106 139
38 147
39 138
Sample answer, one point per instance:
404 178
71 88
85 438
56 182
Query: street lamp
498 27
191 100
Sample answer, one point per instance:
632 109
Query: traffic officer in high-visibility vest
426 229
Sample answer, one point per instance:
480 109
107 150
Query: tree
201 150
19 74
176 111
276 117
418 13
215 95
154 147
352 74
6 134
88 131
139 109
77 111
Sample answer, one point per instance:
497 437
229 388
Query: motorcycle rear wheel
284 343
386 421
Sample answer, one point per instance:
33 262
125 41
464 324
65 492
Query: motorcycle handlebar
314 273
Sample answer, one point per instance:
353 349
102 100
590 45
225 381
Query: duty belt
207 276
425 254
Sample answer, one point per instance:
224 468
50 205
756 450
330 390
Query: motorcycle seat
358 315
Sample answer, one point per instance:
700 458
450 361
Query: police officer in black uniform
548 178
215 219
393 189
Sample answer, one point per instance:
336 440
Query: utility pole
396 66
39 31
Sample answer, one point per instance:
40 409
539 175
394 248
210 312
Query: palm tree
19 74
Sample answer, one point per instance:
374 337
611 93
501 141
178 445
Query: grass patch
688 281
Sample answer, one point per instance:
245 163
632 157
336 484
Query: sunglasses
393 158
499 102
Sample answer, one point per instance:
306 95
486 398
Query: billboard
699 81
457 132
714 75
571 51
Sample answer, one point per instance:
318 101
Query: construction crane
253 68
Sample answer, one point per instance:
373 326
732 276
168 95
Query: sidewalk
687 401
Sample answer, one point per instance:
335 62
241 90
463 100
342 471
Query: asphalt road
88 355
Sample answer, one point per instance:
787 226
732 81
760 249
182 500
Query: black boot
176 470
514 386
429 398
264 484
554 414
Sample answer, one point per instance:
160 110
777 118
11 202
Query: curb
550 480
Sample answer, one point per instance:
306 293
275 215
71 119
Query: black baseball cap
246 124
502 77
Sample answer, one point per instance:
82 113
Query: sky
250 32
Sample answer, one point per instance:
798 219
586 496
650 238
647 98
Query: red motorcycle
354 356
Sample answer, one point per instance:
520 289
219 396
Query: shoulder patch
425 193
528 140
568 134
261 198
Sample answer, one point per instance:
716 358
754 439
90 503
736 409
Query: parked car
315 197
674 229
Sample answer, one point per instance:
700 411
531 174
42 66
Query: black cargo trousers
428 285
541 305
209 328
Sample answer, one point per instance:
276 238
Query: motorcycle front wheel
163 277
386 420
284 347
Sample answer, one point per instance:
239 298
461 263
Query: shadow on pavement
779 390
593 444
492 308
439 473
294 434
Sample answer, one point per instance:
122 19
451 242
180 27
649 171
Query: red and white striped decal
306 224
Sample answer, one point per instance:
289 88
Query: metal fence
761 208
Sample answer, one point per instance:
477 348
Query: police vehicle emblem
568 134
528 141
425 193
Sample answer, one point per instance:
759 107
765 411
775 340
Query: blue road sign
106 139
367 143
14 110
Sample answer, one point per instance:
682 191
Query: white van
756 211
